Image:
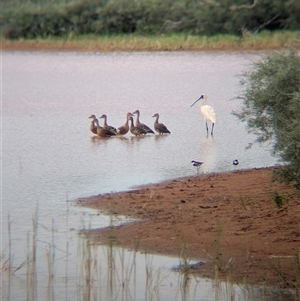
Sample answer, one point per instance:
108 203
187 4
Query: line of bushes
61 17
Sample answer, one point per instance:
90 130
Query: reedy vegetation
164 42
35 18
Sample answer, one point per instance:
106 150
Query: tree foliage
35 18
271 108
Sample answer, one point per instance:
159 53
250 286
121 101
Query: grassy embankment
174 42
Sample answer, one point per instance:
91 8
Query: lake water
50 158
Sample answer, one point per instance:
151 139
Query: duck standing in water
136 130
123 129
141 125
160 127
102 132
106 126
93 127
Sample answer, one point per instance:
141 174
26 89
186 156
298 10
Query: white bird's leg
206 129
212 129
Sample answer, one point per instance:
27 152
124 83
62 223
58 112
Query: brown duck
160 127
102 132
141 125
123 129
93 127
136 130
106 126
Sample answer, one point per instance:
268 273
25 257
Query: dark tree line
199 17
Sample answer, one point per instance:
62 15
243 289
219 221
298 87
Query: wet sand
229 222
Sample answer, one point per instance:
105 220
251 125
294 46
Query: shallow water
49 157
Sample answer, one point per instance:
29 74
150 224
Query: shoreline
227 221
69 47
177 43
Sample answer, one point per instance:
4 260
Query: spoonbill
141 125
160 127
207 112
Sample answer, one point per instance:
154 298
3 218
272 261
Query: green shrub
278 199
271 108
31 18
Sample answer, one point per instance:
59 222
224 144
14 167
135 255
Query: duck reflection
97 140
159 137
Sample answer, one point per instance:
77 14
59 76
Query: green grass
278 199
164 42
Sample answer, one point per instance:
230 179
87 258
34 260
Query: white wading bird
207 112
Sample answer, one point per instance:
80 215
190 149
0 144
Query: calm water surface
49 157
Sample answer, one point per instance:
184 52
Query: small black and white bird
235 162
197 164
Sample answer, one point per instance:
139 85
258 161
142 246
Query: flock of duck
137 129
